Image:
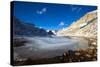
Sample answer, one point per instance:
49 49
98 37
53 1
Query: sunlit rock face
86 26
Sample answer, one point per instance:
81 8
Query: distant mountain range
86 26
21 28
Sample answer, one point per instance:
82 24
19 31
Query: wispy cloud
43 10
79 9
61 23
40 27
74 8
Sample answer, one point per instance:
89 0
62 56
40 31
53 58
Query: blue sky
50 16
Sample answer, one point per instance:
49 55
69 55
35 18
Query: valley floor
61 50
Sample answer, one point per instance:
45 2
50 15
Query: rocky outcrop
86 26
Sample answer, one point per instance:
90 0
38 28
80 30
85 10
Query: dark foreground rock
18 42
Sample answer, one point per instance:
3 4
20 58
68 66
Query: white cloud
79 10
40 27
74 8
61 24
43 10
39 12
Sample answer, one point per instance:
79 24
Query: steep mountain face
26 29
86 26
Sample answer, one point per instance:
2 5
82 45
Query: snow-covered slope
86 26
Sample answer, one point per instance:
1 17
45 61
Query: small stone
93 43
94 59
92 47
90 51
95 55
64 54
61 58
70 60
82 57
91 39
79 60
77 53
87 55
20 60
